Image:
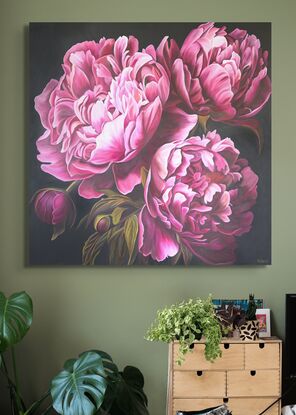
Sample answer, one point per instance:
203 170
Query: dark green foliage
130 398
16 313
251 311
88 385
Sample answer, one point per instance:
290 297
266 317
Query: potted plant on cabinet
88 385
249 325
187 322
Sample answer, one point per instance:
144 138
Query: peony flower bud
102 223
54 207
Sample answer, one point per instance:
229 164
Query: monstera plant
88 385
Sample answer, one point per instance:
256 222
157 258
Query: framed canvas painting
149 144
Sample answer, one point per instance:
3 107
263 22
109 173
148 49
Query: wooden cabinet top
272 339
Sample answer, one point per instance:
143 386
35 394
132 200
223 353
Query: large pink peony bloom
198 193
220 75
103 113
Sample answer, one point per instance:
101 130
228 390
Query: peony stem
144 174
72 186
203 119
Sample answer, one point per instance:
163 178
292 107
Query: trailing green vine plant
186 322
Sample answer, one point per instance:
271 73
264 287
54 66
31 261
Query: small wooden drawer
251 406
195 404
232 358
238 406
262 356
189 384
253 383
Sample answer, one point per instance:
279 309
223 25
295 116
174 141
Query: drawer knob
199 372
191 346
226 345
253 372
225 400
261 345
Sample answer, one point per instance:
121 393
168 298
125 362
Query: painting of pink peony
150 144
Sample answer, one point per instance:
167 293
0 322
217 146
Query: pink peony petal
110 144
154 239
120 47
179 72
80 70
219 250
258 94
99 116
42 104
146 125
92 187
167 52
127 175
216 85
175 125
53 159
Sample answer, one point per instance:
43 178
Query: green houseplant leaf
111 370
186 322
79 389
130 398
16 313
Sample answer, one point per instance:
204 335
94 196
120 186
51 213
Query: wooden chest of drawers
247 377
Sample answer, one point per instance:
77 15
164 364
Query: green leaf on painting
174 260
58 230
110 193
131 228
144 174
80 388
107 205
92 247
118 252
187 255
16 314
117 214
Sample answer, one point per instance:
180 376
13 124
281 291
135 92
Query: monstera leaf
79 389
16 313
110 367
130 398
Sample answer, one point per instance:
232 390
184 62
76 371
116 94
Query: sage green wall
110 308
